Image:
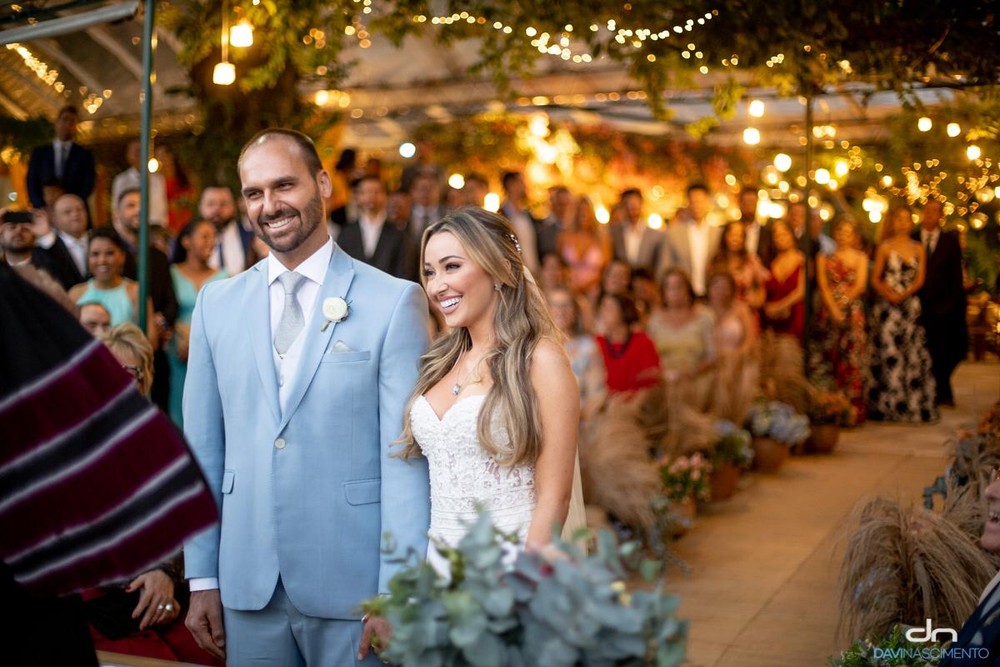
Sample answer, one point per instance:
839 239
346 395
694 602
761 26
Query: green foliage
899 653
731 446
686 476
562 608
23 135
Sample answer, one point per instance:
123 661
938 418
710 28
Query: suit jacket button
279 443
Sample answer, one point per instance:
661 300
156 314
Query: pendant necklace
456 388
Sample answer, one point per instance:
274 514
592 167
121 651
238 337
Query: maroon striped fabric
96 485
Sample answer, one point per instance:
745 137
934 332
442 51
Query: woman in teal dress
190 271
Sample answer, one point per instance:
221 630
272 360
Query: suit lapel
257 307
337 283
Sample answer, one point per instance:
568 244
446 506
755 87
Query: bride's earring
496 286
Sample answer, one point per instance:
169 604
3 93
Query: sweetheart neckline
450 408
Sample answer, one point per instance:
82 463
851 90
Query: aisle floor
761 590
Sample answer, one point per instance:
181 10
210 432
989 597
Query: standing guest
398 209
632 240
901 386
692 239
561 210
63 161
298 374
584 248
496 409
684 335
95 318
784 307
234 243
841 352
371 240
190 272
584 354
942 300
425 193
630 359
108 286
129 180
180 195
758 237
737 369
553 273
515 209
67 243
475 190
747 270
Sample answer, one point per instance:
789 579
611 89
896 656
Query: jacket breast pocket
228 477
363 492
334 357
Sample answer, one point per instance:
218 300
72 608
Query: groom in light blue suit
291 407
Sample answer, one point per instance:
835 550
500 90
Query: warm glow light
751 136
241 35
756 108
491 202
875 216
776 210
925 124
539 125
973 152
782 162
456 181
887 180
224 74
153 165
822 176
954 129
322 97
547 153
407 150
978 221
840 167
771 176
655 221
602 215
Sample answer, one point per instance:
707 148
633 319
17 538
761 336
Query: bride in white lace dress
496 408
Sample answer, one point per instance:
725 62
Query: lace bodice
463 475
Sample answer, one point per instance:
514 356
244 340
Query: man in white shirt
372 240
515 209
66 244
129 180
693 237
632 240
233 242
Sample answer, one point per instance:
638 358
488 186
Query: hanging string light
224 73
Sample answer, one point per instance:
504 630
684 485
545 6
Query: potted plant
731 454
685 481
828 411
775 428
560 607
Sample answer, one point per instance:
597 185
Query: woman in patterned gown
841 351
901 386
496 407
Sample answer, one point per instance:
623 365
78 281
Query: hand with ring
156 600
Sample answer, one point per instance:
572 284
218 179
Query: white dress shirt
287 366
371 230
234 256
698 235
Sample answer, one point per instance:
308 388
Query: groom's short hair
306 146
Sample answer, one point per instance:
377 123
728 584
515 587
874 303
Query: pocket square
341 346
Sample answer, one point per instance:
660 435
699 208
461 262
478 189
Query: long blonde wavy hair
521 319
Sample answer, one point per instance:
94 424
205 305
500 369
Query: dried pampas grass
782 372
617 472
908 565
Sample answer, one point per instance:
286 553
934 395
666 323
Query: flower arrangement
777 420
686 476
731 446
831 407
560 608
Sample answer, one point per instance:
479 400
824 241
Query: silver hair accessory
517 246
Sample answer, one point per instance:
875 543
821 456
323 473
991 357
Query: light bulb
954 129
751 136
782 162
925 124
224 74
407 150
241 35
756 108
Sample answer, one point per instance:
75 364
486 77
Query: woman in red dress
784 309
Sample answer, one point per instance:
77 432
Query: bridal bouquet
561 608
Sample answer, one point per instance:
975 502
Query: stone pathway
761 591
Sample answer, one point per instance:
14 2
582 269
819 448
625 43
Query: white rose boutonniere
335 309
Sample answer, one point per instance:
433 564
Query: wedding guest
515 209
841 351
234 242
784 306
692 239
683 333
108 286
737 370
66 245
900 386
584 248
190 271
632 240
581 347
758 236
180 194
942 300
553 273
645 289
749 274
95 318
630 359
617 278
62 161
129 180
736 328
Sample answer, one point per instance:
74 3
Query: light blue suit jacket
308 493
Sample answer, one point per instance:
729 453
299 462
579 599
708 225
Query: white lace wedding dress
464 477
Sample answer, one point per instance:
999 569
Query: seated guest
554 273
581 348
784 308
735 328
95 318
630 359
108 286
646 291
684 335
737 369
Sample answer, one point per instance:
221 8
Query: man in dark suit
234 242
66 244
373 241
161 287
942 300
63 161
